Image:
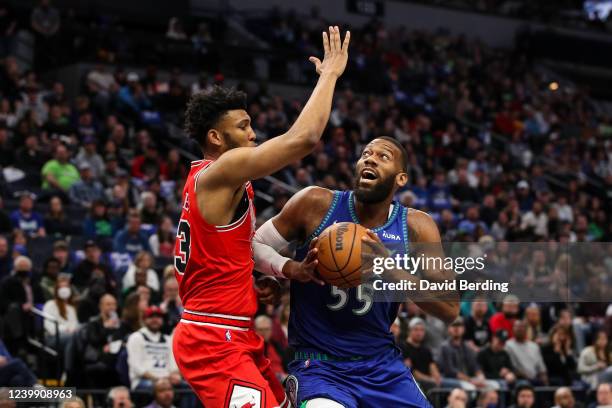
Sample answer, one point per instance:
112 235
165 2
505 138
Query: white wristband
267 242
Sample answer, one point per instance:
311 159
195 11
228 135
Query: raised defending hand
336 53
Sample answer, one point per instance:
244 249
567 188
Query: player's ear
213 138
401 179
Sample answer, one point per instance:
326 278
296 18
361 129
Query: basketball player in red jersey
215 346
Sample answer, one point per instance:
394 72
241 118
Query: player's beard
380 192
229 142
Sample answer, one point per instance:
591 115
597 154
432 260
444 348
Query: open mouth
368 174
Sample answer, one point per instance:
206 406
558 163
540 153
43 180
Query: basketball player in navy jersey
345 353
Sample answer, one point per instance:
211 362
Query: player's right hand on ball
336 53
306 270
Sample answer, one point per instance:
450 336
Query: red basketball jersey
214 263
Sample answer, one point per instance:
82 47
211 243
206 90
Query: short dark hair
522 388
204 110
400 147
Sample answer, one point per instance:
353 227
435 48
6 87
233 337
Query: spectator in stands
6 147
84 270
13 371
558 357
26 219
56 223
141 272
51 270
119 397
61 252
6 260
477 331
45 19
535 221
171 304
61 309
8 23
149 165
457 399
18 295
162 242
603 395
131 315
163 394
100 351
74 403
534 324
131 239
150 212
495 361
175 29
87 190
526 356
595 359
524 397
458 361
88 154
564 398
98 226
132 98
418 357
6 227
59 174
263 327
488 399
150 353
504 320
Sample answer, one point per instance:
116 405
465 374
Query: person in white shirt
142 264
61 308
150 353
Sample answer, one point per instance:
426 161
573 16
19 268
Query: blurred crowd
91 188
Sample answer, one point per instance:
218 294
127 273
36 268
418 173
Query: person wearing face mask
18 294
61 308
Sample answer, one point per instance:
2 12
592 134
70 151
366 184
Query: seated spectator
119 397
595 359
13 371
495 361
140 272
564 398
603 396
162 242
6 260
457 399
98 225
526 356
149 210
61 252
6 226
504 320
488 399
51 269
150 353
263 327
90 299
558 357
132 98
477 331
280 331
26 219
61 308
149 165
101 346
171 304
534 324
87 190
458 361
524 397
88 154
419 358
18 295
163 394
84 270
131 315
59 174
56 223
131 239
74 403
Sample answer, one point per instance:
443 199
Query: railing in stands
42 347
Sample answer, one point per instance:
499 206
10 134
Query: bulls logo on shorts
244 397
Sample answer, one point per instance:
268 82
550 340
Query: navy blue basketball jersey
338 322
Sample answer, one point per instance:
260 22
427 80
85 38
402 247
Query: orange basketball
339 254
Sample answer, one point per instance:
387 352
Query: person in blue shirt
132 239
345 352
26 219
13 371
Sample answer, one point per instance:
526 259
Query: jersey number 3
183 235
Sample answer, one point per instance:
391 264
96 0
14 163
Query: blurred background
503 106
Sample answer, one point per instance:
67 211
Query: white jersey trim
220 326
224 316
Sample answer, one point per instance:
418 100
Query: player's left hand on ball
268 290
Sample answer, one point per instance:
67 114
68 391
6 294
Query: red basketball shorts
223 362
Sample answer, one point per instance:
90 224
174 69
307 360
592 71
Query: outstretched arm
239 165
